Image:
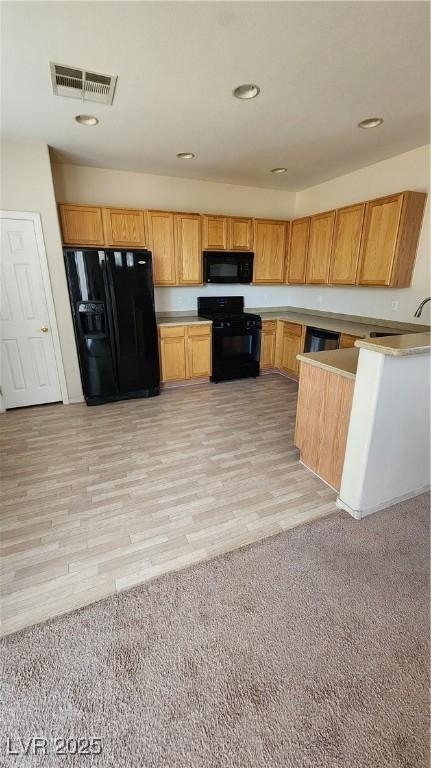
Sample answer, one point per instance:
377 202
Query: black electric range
235 337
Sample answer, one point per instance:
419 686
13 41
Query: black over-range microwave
228 267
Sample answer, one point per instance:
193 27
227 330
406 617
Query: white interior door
29 374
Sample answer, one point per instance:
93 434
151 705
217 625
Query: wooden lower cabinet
322 421
347 340
185 352
290 343
268 343
198 358
172 350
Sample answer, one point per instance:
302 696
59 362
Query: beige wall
26 185
407 171
100 186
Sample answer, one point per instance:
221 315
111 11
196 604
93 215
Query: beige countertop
407 344
353 325
327 323
343 362
183 320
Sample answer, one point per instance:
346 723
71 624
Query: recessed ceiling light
86 119
278 170
185 155
370 122
246 91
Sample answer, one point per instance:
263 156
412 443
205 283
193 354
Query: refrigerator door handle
112 314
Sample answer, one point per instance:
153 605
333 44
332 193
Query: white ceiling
321 66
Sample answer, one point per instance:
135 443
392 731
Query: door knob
44 329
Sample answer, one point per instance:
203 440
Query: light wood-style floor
95 500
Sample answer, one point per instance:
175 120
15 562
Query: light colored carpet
306 650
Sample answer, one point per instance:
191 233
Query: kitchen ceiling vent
76 83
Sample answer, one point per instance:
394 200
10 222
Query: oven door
225 267
236 353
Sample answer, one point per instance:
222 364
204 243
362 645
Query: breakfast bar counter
341 361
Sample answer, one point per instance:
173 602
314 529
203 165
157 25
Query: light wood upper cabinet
240 234
382 218
390 238
298 248
268 344
214 233
372 243
319 247
161 242
269 250
188 248
124 227
290 342
346 244
81 225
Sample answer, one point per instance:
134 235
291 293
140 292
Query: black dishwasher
316 339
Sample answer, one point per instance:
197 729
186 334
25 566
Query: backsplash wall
182 299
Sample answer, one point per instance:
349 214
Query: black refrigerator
112 297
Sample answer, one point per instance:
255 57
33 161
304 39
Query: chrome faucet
421 306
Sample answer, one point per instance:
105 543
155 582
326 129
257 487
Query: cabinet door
298 247
382 218
81 225
198 351
172 353
319 247
124 227
346 244
214 233
161 242
240 234
267 344
269 251
290 344
188 248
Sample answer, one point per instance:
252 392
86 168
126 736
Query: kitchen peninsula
362 420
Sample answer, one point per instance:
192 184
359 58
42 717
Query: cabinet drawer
172 331
292 328
269 325
204 329
347 340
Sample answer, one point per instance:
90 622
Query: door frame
46 280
